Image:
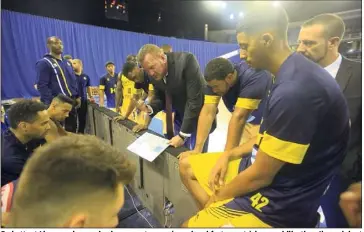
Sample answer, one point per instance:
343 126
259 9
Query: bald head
55 45
52 39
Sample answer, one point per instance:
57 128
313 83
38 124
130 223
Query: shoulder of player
287 93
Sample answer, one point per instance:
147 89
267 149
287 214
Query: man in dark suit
319 40
178 86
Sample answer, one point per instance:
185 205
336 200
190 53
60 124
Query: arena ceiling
179 18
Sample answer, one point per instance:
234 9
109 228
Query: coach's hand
217 175
139 127
176 141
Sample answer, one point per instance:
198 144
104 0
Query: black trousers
82 113
71 121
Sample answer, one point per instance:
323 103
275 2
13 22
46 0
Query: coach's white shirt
334 67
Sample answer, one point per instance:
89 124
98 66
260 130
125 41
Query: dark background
179 18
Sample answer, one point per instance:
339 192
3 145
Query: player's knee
185 225
185 167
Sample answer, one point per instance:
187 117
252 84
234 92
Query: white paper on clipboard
148 146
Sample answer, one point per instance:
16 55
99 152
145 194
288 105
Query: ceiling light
276 3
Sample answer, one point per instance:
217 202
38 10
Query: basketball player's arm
133 103
119 93
89 92
88 87
242 150
150 95
43 79
259 175
236 126
253 90
280 143
102 91
205 120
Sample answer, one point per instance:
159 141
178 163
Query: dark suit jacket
349 78
185 84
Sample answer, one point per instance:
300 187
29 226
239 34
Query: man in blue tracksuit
56 76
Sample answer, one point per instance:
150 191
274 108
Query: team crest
84 78
108 79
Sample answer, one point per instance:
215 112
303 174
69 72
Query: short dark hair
334 26
24 111
67 57
264 16
66 172
108 63
128 67
131 58
218 69
64 99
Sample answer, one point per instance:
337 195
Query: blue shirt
306 125
108 84
83 82
14 154
55 77
248 92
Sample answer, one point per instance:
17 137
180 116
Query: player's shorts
219 214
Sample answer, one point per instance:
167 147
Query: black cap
109 62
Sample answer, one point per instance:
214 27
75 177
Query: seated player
58 111
303 138
242 88
29 124
143 89
108 85
76 181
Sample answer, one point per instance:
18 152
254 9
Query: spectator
108 86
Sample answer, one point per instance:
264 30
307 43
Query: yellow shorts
218 214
